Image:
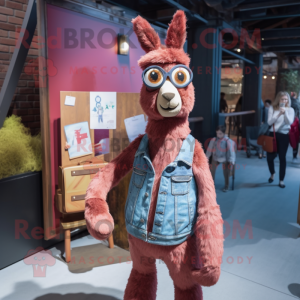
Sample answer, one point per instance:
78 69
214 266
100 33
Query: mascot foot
207 276
193 293
141 286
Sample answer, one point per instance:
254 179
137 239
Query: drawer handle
78 197
84 172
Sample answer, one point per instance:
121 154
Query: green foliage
291 80
19 151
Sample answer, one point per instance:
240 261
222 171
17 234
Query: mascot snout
168 100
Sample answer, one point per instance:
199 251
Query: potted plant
21 197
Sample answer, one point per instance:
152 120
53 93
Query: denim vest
176 208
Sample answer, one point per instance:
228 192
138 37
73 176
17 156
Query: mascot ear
146 35
176 34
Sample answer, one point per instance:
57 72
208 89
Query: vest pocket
137 181
180 186
138 177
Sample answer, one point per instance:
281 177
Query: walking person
223 106
280 117
222 150
223 103
265 112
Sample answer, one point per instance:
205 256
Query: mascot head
167 90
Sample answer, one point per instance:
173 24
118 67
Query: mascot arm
99 221
209 226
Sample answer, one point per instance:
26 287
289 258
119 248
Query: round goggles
154 76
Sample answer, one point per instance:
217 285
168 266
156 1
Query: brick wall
26 98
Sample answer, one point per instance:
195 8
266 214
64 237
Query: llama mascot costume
171 211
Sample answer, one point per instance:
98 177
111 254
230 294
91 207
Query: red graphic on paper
80 136
39 261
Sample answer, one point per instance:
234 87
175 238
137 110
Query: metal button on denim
142 220
146 194
170 169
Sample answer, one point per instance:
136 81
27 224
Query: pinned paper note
70 100
134 126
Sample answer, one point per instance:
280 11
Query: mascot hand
99 221
207 276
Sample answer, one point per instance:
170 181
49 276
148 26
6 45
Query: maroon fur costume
196 261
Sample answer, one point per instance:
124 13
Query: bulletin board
127 106
71 114
72 68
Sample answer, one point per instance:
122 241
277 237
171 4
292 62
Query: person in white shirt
281 115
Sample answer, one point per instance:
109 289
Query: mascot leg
180 262
193 293
142 282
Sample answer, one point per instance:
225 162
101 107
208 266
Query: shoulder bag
268 142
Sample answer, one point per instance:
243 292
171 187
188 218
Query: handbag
294 133
268 142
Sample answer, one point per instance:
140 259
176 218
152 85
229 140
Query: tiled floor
261 258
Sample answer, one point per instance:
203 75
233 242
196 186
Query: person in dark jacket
238 106
295 104
265 110
223 103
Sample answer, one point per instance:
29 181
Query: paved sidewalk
261 258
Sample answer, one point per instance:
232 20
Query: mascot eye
153 77
180 76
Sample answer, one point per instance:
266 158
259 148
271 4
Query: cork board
80 112
70 115
127 106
